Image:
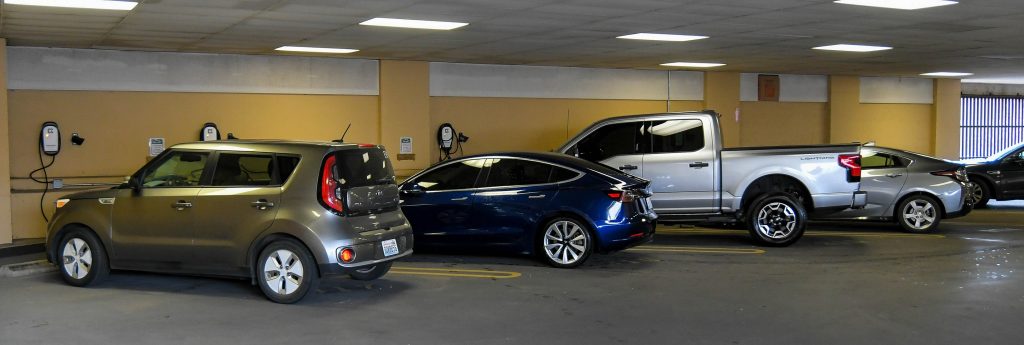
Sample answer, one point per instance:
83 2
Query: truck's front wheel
776 220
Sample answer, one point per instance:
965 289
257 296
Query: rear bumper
639 230
371 251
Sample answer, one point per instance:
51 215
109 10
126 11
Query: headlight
62 202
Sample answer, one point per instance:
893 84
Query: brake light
366 146
620 196
852 165
957 174
329 187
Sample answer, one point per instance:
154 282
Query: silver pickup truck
768 190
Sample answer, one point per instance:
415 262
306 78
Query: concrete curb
26 268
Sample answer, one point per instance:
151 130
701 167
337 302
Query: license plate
390 247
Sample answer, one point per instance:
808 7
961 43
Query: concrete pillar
722 94
946 137
405 112
844 105
6 231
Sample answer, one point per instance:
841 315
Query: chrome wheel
282 272
776 220
919 214
565 242
77 258
976 193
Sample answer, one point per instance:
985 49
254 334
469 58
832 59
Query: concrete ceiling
980 36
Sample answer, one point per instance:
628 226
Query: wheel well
262 243
567 214
777 183
938 203
980 179
52 251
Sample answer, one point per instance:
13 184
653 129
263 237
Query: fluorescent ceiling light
947 74
898 4
693 64
90 4
662 37
852 48
413 24
316 50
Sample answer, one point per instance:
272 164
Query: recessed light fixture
947 74
898 4
662 37
90 4
853 48
693 64
413 24
316 50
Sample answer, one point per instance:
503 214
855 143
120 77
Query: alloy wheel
565 242
776 220
919 214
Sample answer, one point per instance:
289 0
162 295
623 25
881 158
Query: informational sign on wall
406 147
156 146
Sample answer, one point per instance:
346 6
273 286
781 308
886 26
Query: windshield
1004 152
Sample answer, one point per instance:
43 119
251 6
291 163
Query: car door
1012 175
437 203
882 177
152 224
680 165
513 197
616 145
240 202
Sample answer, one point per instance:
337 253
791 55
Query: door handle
627 167
262 204
699 165
541 196
181 205
461 199
894 175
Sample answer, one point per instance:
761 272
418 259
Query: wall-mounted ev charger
49 139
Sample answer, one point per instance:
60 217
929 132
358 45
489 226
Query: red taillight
346 255
366 146
329 187
620 196
852 165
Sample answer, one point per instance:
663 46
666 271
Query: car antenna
342 140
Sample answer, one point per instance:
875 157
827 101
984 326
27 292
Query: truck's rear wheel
776 220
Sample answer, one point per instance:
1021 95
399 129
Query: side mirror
131 182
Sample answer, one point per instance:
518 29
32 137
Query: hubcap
565 242
282 272
77 258
919 214
776 220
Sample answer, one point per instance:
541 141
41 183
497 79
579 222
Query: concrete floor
841 284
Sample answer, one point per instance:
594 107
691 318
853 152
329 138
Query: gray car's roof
211 145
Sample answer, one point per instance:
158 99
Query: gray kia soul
281 213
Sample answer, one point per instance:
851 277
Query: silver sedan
912 189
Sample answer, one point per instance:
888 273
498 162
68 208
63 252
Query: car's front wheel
981 194
82 258
371 272
286 271
565 243
919 214
776 220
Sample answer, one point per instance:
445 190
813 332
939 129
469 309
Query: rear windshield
609 171
363 167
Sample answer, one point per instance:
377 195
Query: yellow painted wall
722 94
529 124
405 112
783 123
947 118
5 161
117 125
902 126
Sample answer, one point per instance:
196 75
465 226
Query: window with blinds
989 124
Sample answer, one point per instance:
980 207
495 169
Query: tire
919 214
776 220
371 272
565 243
286 271
981 194
82 260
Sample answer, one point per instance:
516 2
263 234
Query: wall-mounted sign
156 146
767 87
406 147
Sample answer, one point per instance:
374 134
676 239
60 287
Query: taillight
957 174
329 187
852 165
621 196
346 255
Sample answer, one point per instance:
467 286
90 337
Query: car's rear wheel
776 220
371 272
82 258
286 271
919 214
566 243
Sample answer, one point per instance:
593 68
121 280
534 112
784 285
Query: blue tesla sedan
556 206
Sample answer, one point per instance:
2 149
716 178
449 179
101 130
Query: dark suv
998 177
278 212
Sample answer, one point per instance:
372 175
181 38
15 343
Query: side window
610 141
561 175
235 169
452 176
517 172
676 136
177 169
878 160
286 166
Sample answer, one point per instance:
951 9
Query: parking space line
703 231
700 250
454 272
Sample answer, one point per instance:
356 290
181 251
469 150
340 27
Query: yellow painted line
702 250
809 233
454 272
